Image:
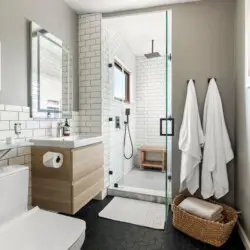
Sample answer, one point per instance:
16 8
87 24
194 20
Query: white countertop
67 141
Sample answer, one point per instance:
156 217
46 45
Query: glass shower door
116 146
167 123
116 130
170 119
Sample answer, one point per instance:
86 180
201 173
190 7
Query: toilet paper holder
58 158
52 159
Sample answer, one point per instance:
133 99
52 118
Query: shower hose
124 142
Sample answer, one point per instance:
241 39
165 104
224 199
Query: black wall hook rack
209 79
189 80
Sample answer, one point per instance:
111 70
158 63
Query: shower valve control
117 122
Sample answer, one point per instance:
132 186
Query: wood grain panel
52 194
83 198
55 191
39 170
153 149
57 206
86 160
87 181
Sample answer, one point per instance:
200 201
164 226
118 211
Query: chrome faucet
59 129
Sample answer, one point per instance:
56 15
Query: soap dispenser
66 128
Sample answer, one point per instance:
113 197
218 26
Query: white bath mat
141 213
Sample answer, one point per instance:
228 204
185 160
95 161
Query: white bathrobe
217 149
190 141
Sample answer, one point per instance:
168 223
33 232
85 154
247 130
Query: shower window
121 83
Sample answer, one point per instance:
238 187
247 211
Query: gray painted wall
203 46
56 17
242 195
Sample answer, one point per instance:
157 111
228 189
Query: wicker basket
213 233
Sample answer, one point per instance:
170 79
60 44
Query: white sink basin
67 141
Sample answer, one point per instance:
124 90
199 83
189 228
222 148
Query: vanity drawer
52 194
84 189
87 159
86 182
83 198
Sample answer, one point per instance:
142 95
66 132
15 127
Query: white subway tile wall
4 125
9 115
90 85
151 102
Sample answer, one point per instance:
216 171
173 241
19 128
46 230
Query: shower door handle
161 129
170 119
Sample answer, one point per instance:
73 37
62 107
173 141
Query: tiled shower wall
151 102
31 128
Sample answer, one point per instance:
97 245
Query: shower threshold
156 196
147 185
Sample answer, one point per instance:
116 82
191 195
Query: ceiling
107 6
139 30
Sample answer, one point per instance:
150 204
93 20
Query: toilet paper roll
52 160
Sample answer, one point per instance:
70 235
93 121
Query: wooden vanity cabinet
68 188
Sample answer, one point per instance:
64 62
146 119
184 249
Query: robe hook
189 80
209 79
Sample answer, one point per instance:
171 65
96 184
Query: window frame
127 86
127 75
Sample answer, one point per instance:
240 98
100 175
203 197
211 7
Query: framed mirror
51 75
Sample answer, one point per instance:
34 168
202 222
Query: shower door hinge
170 57
110 172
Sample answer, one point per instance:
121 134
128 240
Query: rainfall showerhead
152 54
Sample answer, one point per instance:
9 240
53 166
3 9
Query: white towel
217 149
190 140
201 208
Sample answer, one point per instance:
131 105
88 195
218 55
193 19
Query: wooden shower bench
153 164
